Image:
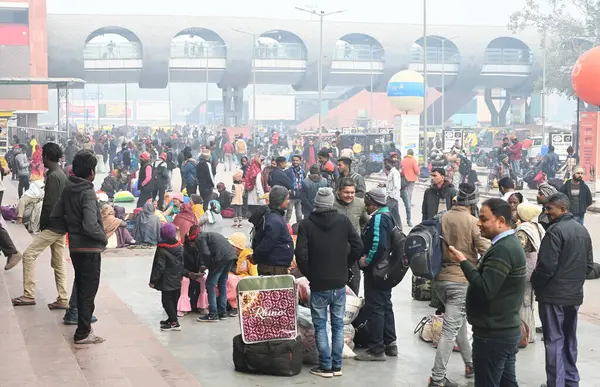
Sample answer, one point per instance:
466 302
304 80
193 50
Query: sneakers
391 350
223 316
336 371
469 371
174 326
409 224
321 372
209 318
444 383
13 260
233 313
368 356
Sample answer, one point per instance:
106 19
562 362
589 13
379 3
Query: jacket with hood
280 177
376 237
188 171
22 164
79 208
214 249
56 180
432 197
167 266
565 258
274 247
355 211
327 246
310 186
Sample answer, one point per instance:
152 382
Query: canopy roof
59 82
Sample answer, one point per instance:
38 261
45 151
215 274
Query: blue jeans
406 199
579 218
335 300
495 359
218 277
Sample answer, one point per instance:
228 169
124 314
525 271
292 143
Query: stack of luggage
269 343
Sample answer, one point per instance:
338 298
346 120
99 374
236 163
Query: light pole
321 14
425 81
205 52
443 40
253 83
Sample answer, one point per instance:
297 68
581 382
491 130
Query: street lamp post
321 14
253 83
443 40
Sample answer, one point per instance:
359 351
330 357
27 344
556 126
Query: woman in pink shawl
185 219
37 164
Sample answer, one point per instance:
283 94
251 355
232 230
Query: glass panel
508 56
358 53
198 50
435 55
111 50
280 51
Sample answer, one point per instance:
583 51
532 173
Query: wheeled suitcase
279 358
267 308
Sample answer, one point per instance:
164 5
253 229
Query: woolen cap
578 169
376 196
324 198
168 232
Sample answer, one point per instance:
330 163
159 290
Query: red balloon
585 76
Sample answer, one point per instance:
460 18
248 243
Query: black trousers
23 185
160 189
191 189
87 280
382 329
6 244
145 195
169 303
194 294
206 194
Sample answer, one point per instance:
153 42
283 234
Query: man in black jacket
52 235
204 177
278 175
579 194
78 207
323 256
564 259
216 254
438 197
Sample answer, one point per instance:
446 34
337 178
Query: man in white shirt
392 190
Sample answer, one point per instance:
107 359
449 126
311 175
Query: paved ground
129 313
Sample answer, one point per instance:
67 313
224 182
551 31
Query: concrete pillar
227 105
504 109
238 100
490 104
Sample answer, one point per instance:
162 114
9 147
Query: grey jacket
355 211
22 164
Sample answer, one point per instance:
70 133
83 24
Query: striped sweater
496 288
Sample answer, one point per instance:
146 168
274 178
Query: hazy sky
465 12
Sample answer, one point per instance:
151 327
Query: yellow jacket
244 268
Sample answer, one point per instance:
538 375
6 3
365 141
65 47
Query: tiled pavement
37 350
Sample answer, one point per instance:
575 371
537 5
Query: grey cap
324 198
376 196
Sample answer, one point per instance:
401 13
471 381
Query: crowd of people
317 219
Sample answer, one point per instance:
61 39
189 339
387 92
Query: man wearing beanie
459 229
272 244
165 277
323 256
579 194
376 245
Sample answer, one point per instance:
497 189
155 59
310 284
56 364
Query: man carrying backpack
376 239
161 179
459 229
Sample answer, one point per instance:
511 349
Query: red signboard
588 144
14 35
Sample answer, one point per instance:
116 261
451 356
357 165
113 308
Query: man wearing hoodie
273 246
323 257
78 207
309 190
438 197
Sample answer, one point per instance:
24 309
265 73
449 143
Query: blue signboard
405 89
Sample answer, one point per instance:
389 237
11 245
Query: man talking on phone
459 229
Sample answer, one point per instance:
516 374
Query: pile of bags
310 354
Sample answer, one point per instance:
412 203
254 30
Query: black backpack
390 271
465 166
424 248
171 161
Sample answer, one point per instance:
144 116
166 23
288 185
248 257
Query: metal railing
358 53
187 50
448 55
508 56
106 51
24 134
280 51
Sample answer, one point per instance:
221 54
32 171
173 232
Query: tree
567 29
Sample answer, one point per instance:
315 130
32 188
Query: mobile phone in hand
445 242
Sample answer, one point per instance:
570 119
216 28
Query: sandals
22 301
91 339
58 306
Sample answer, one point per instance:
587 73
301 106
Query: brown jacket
460 230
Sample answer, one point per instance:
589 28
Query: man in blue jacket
376 241
296 175
273 246
279 176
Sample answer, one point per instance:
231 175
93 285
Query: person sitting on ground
185 219
196 203
147 226
116 229
110 185
212 220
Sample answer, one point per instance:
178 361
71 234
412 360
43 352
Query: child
238 199
195 299
212 221
166 274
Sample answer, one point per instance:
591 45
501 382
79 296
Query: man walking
410 173
564 259
323 257
296 176
78 207
52 235
494 296
392 190
459 228
579 194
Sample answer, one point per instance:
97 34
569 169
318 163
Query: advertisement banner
452 138
152 111
115 110
588 144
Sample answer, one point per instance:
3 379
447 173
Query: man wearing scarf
296 175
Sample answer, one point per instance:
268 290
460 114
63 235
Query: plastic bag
303 291
123 197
